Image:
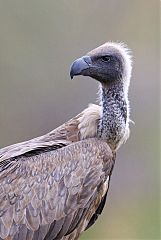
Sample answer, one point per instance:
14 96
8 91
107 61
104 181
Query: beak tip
71 75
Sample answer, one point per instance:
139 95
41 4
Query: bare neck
114 114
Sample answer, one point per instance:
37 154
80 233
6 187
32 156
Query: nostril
87 59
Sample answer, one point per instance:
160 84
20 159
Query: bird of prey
54 186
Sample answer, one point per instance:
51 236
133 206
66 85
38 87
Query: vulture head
110 63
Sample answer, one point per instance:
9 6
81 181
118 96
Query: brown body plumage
55 186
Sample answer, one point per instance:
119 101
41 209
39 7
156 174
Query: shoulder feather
82 126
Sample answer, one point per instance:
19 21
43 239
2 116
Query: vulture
55 186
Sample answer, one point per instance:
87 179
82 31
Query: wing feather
50 188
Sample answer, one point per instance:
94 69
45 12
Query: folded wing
53 193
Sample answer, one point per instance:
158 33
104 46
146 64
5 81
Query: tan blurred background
38 42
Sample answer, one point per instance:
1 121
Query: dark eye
106 58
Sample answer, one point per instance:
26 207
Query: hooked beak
80 66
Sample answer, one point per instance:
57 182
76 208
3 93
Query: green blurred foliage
38 42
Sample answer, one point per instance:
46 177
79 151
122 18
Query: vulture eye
106 58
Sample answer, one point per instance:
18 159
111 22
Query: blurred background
38 42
